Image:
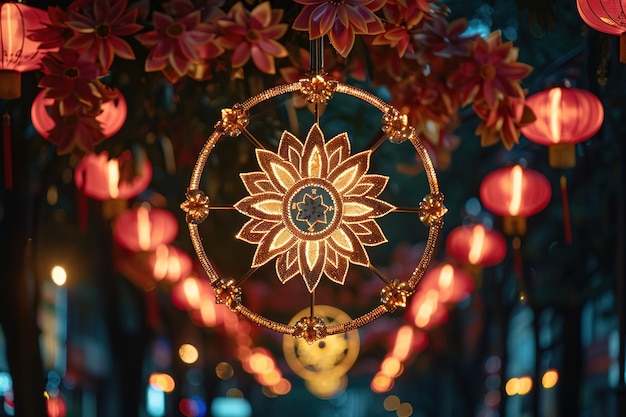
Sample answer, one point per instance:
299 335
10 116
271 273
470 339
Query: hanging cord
8 159
566 218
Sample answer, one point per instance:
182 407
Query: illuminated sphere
19 53
515 193
143 229
476 245
565 116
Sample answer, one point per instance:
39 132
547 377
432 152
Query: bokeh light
161 381
188 353
550 378
58 275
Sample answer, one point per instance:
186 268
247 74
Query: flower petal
371 185
369 232
357 209
348 245
257 182
312 257
282 173
267 206
254 230
336 267
314 159
290 148
287 265
275 242
347 175
338 149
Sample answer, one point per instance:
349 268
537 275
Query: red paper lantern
100 178
515 193
111 118
143 229
170 263
606 16
452 284
476 245
565 116
19 53
191 292
426 310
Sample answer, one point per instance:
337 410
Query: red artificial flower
99 35
396 37
340 20
75 133
55 33
174 43
254 35
70 79
502 122
409 13
492 73
443 39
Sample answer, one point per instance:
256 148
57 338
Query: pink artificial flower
174 43
254 35
341 20
492 72
70 79
99 35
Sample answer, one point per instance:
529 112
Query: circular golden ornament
326 358
313 207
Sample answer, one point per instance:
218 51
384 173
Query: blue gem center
312 209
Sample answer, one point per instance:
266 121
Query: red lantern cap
515 191
144 229
476 245
99 177
564 115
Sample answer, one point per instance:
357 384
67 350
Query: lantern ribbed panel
18 52
462 243
92 177
497 192
580 116
605 16
142 229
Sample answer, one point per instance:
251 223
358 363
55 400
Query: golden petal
261 206
257 182
312 257
358 209
314 159
280 172
254 230
338 149
347 175
348 245
371 185
290 148
287 265
336 267
369 232
275 242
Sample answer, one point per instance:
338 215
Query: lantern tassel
81 205
517 257
8 159
566 218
